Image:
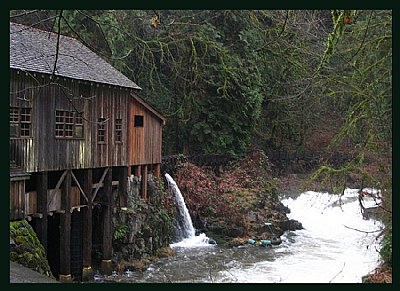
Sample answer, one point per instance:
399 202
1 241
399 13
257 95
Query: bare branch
99 26
24 13
58 42
284 24
378 230
365 35
34 24
344 264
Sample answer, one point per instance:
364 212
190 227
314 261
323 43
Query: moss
13 256
28 250
20 239
220 239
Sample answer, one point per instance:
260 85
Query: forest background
229 81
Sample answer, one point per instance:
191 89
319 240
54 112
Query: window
118 130
101 130
20 122
138 121
79 126
69 124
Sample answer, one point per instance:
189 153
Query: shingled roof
35 50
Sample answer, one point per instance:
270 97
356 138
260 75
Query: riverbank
238 202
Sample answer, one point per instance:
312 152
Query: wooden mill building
78 130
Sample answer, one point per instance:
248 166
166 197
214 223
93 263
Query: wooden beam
138 171
107 224
87 220
144 182
57 186
41 180
65 227
101 183
97 185
79 186
123 187
157 170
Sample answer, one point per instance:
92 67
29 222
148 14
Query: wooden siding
44 152
31 203
109 152
145 142
17 200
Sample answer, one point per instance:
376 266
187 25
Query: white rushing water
336 245
185 231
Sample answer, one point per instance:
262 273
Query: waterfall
184 230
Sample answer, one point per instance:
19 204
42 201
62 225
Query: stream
337 245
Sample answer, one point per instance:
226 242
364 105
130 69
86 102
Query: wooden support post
107 225
157 171
138 171
123 187
87 226
144 182
65 230
41 226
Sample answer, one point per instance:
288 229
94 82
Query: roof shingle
35 50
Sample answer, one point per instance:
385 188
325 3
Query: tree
356 69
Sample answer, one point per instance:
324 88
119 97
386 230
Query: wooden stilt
41 227
144 182
65 228
157 170
138 171
122 187
107 226
87 226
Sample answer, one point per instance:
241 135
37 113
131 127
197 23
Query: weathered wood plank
87 220
143 188
42 182
122 186
107 222
65 227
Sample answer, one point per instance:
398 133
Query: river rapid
337 245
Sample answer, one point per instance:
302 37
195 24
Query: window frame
66 124
118 130
138 120
101 130
20 118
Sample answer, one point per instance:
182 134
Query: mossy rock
21 240
13 256
28 251
23 248
220 239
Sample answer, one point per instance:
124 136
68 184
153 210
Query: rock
291 224
27 249
235 232
276 240
212 242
